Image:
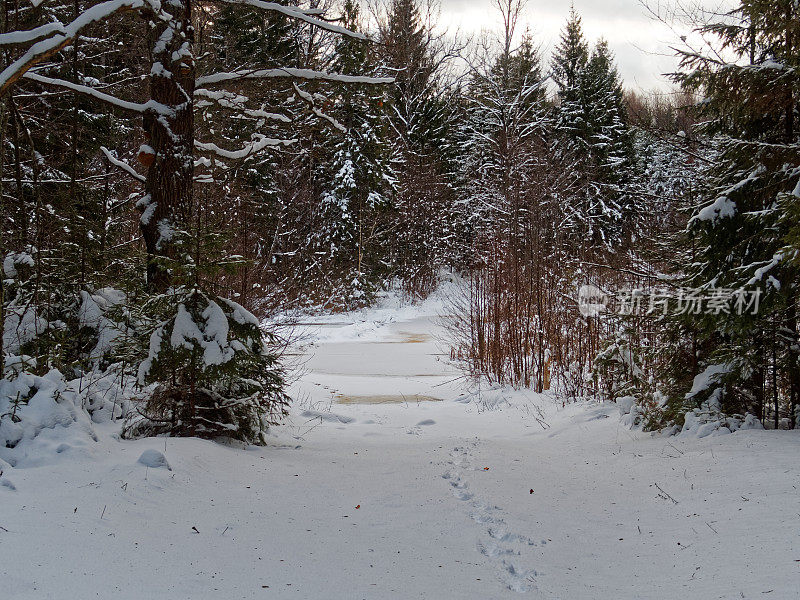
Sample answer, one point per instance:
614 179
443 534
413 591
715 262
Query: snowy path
441 500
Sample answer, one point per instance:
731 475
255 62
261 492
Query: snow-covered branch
29 36
300 14
234 101
260 143
121 165
94 93
291 72
309 99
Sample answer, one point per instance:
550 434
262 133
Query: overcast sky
638 42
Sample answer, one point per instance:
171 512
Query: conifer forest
337 299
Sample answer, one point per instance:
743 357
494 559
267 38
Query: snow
721 207
707 378
707 420
240 314
163 41
310 100
92 314
626 405
148 208
232 100
185 332
21 37
216 349
22 324
150 105
158 70
154 460
50 415
13 259
300 14
487 493
766 268
211 334
156 339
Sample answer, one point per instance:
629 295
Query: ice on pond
385 399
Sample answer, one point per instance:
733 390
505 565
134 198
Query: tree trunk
169 131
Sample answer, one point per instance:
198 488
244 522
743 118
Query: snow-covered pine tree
570 59
742 235
505 111
609 138
592 118
215 371
420 122
357 203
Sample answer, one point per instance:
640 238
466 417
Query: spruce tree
570 59
359 195
420 122
591 118
742 235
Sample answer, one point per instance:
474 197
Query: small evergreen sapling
213 372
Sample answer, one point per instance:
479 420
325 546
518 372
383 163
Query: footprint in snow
500 545
462 495
494 550
328 417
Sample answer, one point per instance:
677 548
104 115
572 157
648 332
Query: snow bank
629 412
39 415
709 420
42 417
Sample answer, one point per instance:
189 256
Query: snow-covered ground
372 490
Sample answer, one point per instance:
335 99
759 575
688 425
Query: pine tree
570 59
420 121
360 191
592 118
610 141
741 234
